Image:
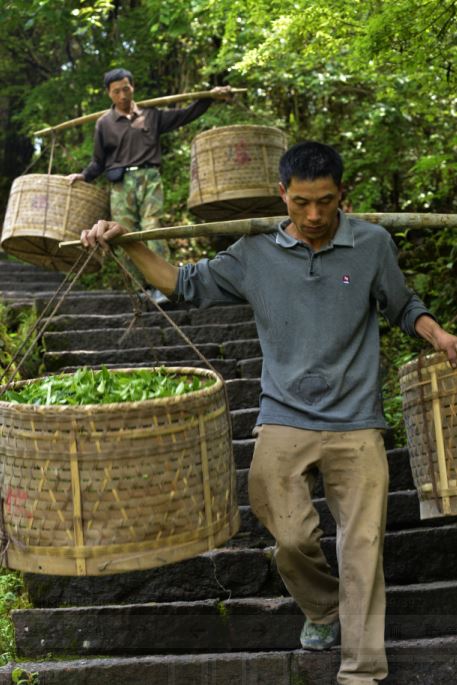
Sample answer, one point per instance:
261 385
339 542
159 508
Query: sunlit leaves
86 386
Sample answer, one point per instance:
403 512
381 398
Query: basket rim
431 359
81 188
110 406
56 177
238 127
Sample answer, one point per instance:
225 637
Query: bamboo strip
154 102
77 510
269 225
449 492
440 452
206 481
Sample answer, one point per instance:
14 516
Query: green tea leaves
87 386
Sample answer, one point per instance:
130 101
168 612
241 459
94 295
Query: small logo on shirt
346 279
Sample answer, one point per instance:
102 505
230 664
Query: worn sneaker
320 636
158 296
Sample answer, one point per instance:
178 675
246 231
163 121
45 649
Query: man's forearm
427 328
156 270
440 339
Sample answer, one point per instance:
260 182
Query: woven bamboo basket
234 173
429 391
101 489
44 210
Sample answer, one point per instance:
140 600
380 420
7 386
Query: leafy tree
374 78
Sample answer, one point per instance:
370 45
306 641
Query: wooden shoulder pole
155 102
241 227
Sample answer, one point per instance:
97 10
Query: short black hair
308 161
117 75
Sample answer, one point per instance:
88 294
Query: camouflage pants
137 202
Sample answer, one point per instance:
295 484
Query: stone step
17 299
85 302
402 514
411 662
187 317
31 286
139 336
228 368
214 332
8 266
220 573
398 459
105 302
243 423
243 393
233 625
103 339
82 322
54 361
242 452
251 368
242 572
24 278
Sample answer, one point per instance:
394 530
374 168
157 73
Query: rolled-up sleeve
215 281
397 303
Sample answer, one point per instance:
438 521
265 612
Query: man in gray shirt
315 286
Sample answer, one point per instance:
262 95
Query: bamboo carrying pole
268 225
155 102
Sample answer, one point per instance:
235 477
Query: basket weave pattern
429 391
234 170
97 489
44 210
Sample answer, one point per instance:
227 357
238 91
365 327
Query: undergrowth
12 596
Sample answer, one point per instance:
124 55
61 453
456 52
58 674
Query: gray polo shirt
316 316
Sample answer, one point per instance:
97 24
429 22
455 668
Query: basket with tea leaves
109 471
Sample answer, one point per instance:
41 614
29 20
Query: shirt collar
136 111
344 235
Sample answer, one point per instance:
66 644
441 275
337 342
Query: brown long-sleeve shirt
120 141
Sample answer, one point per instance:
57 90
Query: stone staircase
223 617
20 283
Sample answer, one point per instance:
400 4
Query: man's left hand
441 340
222 93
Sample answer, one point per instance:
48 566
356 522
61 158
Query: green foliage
108 277
429 260
12 596
21 677
87 386
14 331
376 79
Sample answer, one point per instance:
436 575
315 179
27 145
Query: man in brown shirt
127 149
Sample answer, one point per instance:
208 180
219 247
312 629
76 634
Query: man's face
313 208
121 94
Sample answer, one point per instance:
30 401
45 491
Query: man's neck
126 112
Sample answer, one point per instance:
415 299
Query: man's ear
282 192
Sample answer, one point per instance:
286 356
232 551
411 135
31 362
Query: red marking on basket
15 501
39 202
242 156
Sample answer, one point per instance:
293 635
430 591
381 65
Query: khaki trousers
355 475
